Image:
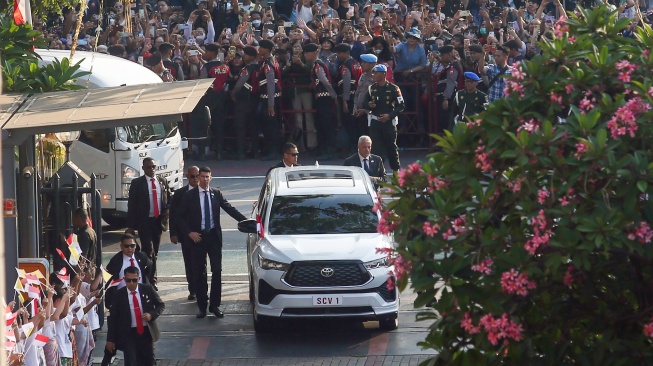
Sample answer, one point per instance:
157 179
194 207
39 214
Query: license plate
328 300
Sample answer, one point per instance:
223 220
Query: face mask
256 22
270 34
199 37
377 51
392 2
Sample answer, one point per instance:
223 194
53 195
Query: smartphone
288 24
164 24
112 21
377 7
384 23
250 29
140 60
161 31
330 13
491 34
193 52
141 13
511 25
221 56
257 33
281 30
464 13
318 17
492 48
232 51
182 26
466 42
191 41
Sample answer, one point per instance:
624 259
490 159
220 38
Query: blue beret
369 58
380 68
472 76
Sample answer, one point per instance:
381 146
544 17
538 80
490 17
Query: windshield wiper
174 129
147 138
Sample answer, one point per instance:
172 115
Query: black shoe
191 296
216 311
201 314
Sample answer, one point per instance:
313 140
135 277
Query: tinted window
322 214
96 138
143 133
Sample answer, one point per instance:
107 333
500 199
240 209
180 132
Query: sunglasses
128 280
193 176
294 155
150 167
129 246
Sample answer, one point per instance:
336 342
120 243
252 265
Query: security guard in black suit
469 101
385 102
246 98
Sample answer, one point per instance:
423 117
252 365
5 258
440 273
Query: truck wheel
389 324
115 222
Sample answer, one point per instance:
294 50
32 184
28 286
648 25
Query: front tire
389 323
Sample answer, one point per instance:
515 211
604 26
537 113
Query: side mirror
248 226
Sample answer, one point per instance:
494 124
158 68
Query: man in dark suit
126 257
199 220
372 164
135 306
193 176
147 211
290 157
86 236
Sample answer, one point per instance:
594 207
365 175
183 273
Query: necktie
207 212
137 314
155 199
366 166
132 262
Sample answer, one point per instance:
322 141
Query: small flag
74 255
10 317
63 256
114 283
105 275
22 12
63 271
10 337
9 345
34 311
40 340
34 292
32 278
21 298
27 329
89 222
38 274
21 273
65 279
19 285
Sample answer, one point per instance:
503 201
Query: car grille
353 310
311 274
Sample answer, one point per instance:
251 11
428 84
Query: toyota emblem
326 272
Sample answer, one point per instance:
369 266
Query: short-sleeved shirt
407 59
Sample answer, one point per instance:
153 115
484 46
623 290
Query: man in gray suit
372 164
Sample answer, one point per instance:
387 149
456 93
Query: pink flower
642 233
436 184
541 235
386 226
581 147
483 160
624 120
391 282
568 198
648 329
569 88
468 325
513 282
542 195
650 91
498 329
401 176
586 104
532 125
571 39
415 168
404 174
402 267
515 185
556 98
517 71
646 53
429 229
484 267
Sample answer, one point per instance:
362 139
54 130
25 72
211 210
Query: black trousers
217 120
271 126
325 124
210 245
138 348
187 253
351 125
384 135
245 124
150 234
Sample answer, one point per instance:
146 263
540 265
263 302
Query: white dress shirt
132 314
158 194
202 195
126 262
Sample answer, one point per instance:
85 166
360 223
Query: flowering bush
527 237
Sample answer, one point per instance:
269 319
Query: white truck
115 155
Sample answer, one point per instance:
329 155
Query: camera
28 172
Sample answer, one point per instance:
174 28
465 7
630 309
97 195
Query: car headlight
128 173
270 264
377 263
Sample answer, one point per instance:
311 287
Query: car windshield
142 133
322 214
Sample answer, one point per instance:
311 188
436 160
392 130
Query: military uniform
269 79
388 100
468 104
324 96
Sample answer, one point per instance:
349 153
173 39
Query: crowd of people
426 46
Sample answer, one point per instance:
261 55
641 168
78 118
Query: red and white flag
40 340
114 283
22 12
34 292
32 278
10 317
9 345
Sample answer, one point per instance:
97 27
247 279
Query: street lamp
67 138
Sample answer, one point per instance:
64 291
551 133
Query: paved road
232 340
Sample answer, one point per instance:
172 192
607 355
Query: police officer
324 95
385 102
246 98
347 77
214 98
269 76
470 100
446 76
368 61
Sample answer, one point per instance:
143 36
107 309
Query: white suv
312 248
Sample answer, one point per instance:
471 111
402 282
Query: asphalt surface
232 340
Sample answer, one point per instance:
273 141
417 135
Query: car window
322 214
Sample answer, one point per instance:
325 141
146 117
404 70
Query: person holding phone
245 94
269 76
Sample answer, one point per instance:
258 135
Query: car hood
290 248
